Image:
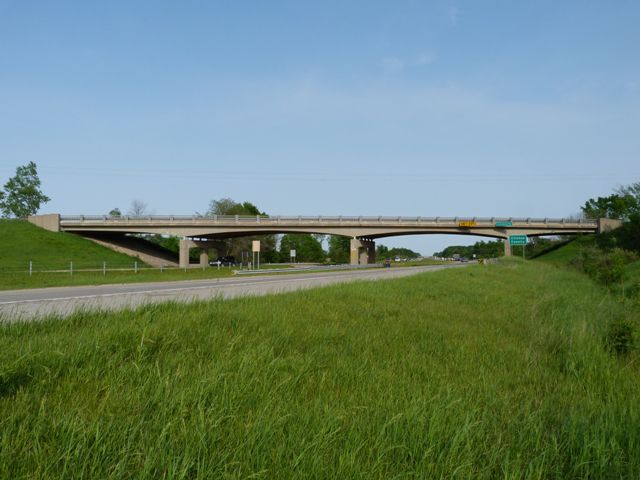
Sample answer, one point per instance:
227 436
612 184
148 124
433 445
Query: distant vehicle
464 259
397 259
227 261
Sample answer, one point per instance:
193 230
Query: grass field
493 371
22 242
563 255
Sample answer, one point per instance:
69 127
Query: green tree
228 206
632 195
339 249
382 252
402 253
115 212
236 246
307 247
481 249
22 195
613 206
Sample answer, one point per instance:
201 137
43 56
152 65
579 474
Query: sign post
255 248
292 254
519 240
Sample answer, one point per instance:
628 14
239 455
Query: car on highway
226 261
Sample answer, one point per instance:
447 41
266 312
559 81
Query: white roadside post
255 248
292 254
30 267
104 268
70 268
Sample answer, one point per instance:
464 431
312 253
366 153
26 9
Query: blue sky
323 108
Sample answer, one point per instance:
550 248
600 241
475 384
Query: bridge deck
363 227
196 230
219 220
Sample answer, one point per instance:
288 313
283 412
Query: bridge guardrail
231 219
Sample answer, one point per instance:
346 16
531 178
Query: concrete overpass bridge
196 231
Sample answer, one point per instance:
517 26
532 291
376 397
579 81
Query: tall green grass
484 372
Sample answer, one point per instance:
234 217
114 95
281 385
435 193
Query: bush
605 267
619 338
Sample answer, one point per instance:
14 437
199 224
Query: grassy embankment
566 255
494 371
22 242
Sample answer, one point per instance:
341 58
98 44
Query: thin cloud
394 65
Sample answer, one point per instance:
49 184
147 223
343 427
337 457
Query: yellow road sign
467 224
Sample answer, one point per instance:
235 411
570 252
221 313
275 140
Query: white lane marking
169 290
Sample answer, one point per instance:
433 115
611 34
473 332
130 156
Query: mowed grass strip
483 372
19 281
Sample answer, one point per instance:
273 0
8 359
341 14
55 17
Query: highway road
33 304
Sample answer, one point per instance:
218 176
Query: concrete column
185 245
204 257
355 251
507 248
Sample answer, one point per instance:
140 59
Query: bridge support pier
204 257
507 248
185 245
362 251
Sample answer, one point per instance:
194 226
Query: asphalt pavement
31 304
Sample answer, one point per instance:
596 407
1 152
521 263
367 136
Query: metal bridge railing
274 220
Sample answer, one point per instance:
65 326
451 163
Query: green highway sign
518 240
504 224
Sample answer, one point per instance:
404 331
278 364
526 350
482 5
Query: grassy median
500 371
